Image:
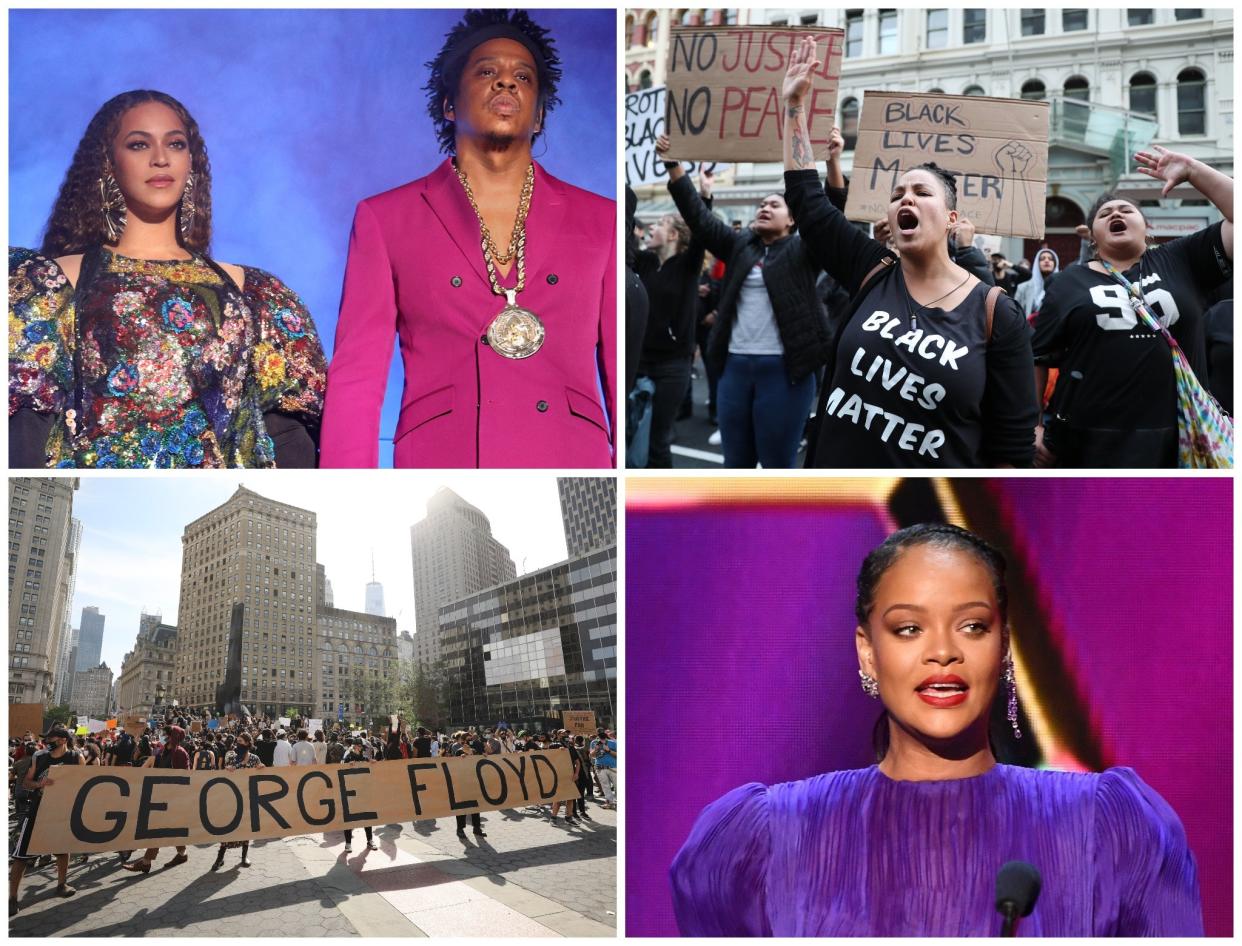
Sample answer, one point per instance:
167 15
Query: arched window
1143 93
973 90
1034 90
935 91
1191 113
652 24
644 79
680 17
849 123
1077 87
629 30
1077 90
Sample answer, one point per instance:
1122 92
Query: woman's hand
1045 459
836 144
802 63
1169 166
674 168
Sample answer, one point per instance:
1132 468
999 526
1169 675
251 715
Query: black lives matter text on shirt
1116 374
903 394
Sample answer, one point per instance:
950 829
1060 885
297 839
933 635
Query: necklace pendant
515 332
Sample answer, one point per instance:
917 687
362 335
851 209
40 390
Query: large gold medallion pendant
515 332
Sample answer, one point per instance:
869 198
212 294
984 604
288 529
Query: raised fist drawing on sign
1012 160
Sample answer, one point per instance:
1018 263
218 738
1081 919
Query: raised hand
964 232
881 232
802 64
662 145
1168 166
836 144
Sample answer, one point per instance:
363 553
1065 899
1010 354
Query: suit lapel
548 208
447 200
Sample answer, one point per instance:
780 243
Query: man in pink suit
499 280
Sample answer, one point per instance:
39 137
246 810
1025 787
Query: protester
282 752
303 752
174 756
1116 400
1030 294
241 757
320 747
356 754
265 748
34 781
476 822
930 368
604 755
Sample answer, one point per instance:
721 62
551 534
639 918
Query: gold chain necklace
515 332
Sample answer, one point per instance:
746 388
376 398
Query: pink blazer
416 271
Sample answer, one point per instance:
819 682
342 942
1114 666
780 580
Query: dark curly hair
77 219
938 535
946 178
447 67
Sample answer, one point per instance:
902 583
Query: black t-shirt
122 753
422 747
44 760
265 751
1116 374
937 394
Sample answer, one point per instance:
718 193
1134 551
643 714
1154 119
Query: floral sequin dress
159 363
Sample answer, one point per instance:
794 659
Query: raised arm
1174 168
713 232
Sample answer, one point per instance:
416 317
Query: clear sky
132 526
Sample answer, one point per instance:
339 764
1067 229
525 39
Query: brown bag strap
993 295
882 264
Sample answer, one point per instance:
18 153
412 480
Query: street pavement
526 878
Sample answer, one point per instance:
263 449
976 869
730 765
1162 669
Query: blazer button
542 407
483 341
456 281
553 279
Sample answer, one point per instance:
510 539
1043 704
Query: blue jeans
761 414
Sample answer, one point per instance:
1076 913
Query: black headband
468 44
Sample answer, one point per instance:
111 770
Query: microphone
1017 889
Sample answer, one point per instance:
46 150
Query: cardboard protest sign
135 725
579 722
996 148
724 90
644 123
196 726
24 718
87 809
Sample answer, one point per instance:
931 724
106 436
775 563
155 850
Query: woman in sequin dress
128 345
912 846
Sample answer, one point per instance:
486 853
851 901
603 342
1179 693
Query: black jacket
673 300
788 273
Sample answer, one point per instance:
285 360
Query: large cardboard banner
997 149
88 809
24 718
579 722
724 90
135 725
644 123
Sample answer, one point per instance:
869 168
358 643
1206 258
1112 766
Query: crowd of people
924 352
185 743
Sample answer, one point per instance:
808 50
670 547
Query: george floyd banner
724 90
996 148
88 809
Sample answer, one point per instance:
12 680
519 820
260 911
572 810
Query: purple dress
856 853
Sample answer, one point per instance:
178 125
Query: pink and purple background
740 661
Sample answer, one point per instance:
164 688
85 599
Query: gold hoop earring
112 206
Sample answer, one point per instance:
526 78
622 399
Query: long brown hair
77 219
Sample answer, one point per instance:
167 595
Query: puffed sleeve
40 334
1146 880
719 875
288 358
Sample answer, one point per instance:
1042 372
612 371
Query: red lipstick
943 690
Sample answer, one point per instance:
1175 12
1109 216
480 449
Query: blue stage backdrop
305 112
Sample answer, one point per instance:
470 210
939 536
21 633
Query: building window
849 123
1072 20
652 28
937 29
888 32
973 90
1143 93
974 25
1032 22
1187 14
853 33
1143 17
1076 87
1191 114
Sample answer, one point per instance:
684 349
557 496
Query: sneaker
349 848
14 906
714 439
371 846
479 833
179 859
586 816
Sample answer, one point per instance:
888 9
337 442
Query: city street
526 878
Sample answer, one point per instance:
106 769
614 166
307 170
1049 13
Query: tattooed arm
802 63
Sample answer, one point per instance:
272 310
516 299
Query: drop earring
188 210
1011 691
112 206
870 685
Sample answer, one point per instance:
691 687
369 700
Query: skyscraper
261 553
42 564
90 638
589 511
454 555
375 593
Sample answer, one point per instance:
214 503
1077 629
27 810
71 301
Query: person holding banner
174 756
771 333
34 781
241 756
929 367
1116 399
910 846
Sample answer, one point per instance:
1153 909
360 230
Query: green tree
58 714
